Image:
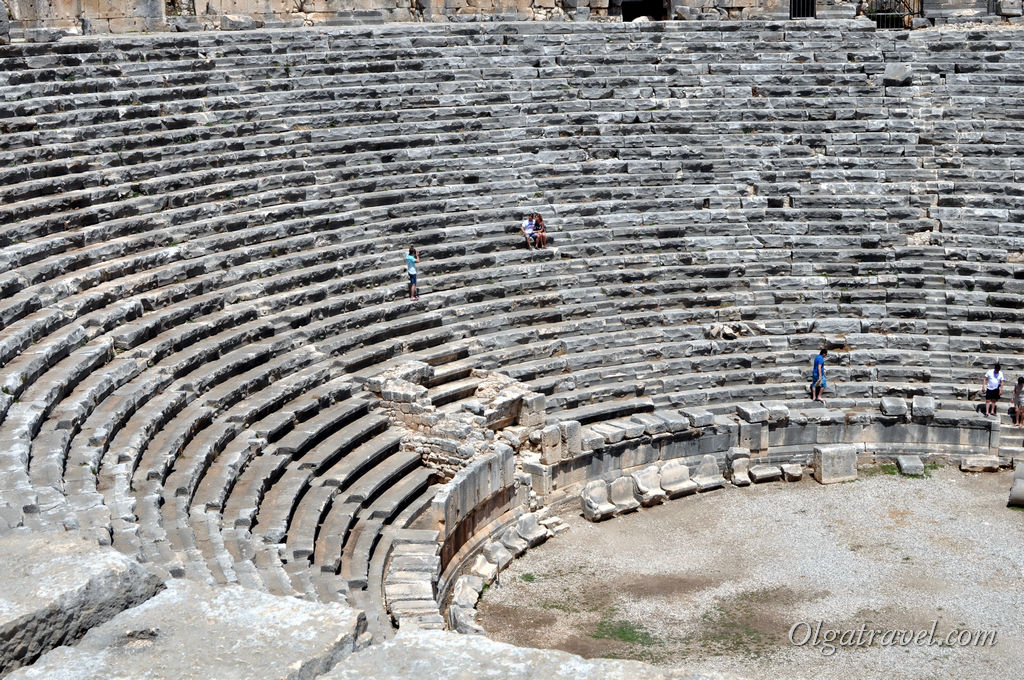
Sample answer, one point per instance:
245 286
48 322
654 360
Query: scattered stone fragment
698 417
462 620
792 472
980 464
515 543
483 568
530 529
497 553
765 473
910 465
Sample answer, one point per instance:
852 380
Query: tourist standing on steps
410 262
818 383
1018 402
993 388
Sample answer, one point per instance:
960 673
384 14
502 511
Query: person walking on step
1018 402
818 382
993 388
410 263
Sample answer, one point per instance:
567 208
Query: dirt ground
731 580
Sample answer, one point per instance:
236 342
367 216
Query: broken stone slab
239 22
792 472
752 412
740 472
674 421
467 590
193 630
923 407
979 464
1009 8
550 445
777 411
893 406
530 529
572 438
675 479
438 654
463 620
515 543
897 75
764 473
698 417
57 586
611 434
708 476
632 430
495 552
910 465
621 494
591 440
594 501
483 568
647 484
834 463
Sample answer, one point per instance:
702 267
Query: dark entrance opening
801 9
631 9
894 13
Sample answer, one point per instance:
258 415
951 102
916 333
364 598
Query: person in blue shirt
410 262
818 383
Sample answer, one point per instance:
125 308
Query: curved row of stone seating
209 422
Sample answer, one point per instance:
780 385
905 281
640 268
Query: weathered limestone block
532 409
674 421
777 411
530 529
591 440
752 412
1009 8
792 472
765 473
595 503
893 406
463 620
740 468
497 553
835 463
621 494
550 445
572 438
631 429
675 479
897 75
515 543
466 591
483 568
980 464
611 434
56 586
647 483
193 630
923 407
239 22
698 417
910 465
708 476
652 424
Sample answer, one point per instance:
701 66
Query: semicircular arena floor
717 582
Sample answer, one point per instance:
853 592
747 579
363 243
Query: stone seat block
647 486
620 492
595 502
980 463
708 475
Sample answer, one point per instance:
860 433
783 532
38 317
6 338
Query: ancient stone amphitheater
232 447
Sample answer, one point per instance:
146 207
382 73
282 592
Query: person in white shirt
527 228
993 388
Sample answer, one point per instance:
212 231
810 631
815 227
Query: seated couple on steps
535 231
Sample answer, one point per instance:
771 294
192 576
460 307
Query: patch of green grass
889 469
1016 507
623 631
528 577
